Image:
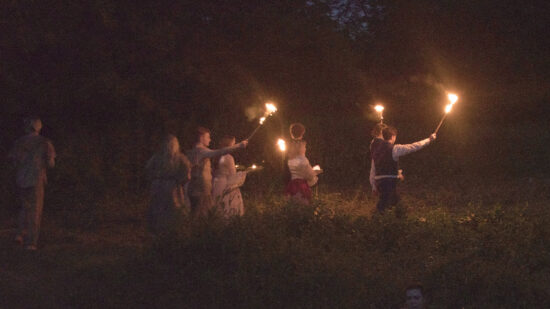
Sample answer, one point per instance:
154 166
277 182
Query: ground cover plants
333 254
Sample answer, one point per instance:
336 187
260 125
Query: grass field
473 246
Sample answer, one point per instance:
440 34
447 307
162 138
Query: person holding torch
376 138
385 154
200 185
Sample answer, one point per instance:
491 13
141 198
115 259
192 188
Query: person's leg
384 191
388 195
195 202
25 199
35 214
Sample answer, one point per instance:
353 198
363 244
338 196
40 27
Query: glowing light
448 108
452 97
379 108
316 168
282 144
254 166
270 108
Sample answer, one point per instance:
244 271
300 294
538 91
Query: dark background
110 78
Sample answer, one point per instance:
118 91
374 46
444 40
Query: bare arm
50 154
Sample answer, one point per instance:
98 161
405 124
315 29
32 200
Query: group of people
179 179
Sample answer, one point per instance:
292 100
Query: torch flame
448 108
282 144
262 120
452 97
270 108
379 108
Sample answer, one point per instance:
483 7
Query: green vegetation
488 253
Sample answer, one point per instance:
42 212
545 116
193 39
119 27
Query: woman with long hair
168 170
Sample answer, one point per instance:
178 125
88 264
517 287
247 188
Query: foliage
110 78
333 253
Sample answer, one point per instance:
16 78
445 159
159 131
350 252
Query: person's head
203 136
415 297
297 130
389 134
227 141
171 146
32 124
377 130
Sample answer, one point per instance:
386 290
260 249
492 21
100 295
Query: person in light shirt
386 154
200 186
227 182
302 175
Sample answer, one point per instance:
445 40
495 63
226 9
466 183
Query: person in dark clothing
31 154
385 154
376 134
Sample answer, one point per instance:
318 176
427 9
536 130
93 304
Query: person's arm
309 174
403 150
186 168
209 153
371 176
50 154
14 155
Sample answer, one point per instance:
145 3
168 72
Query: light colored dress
200 185
167 190
225 187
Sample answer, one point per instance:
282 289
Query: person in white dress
227 182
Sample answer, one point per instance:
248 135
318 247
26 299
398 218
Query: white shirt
301 169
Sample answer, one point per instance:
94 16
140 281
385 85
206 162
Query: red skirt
300 186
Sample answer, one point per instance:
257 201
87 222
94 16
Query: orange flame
282 144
